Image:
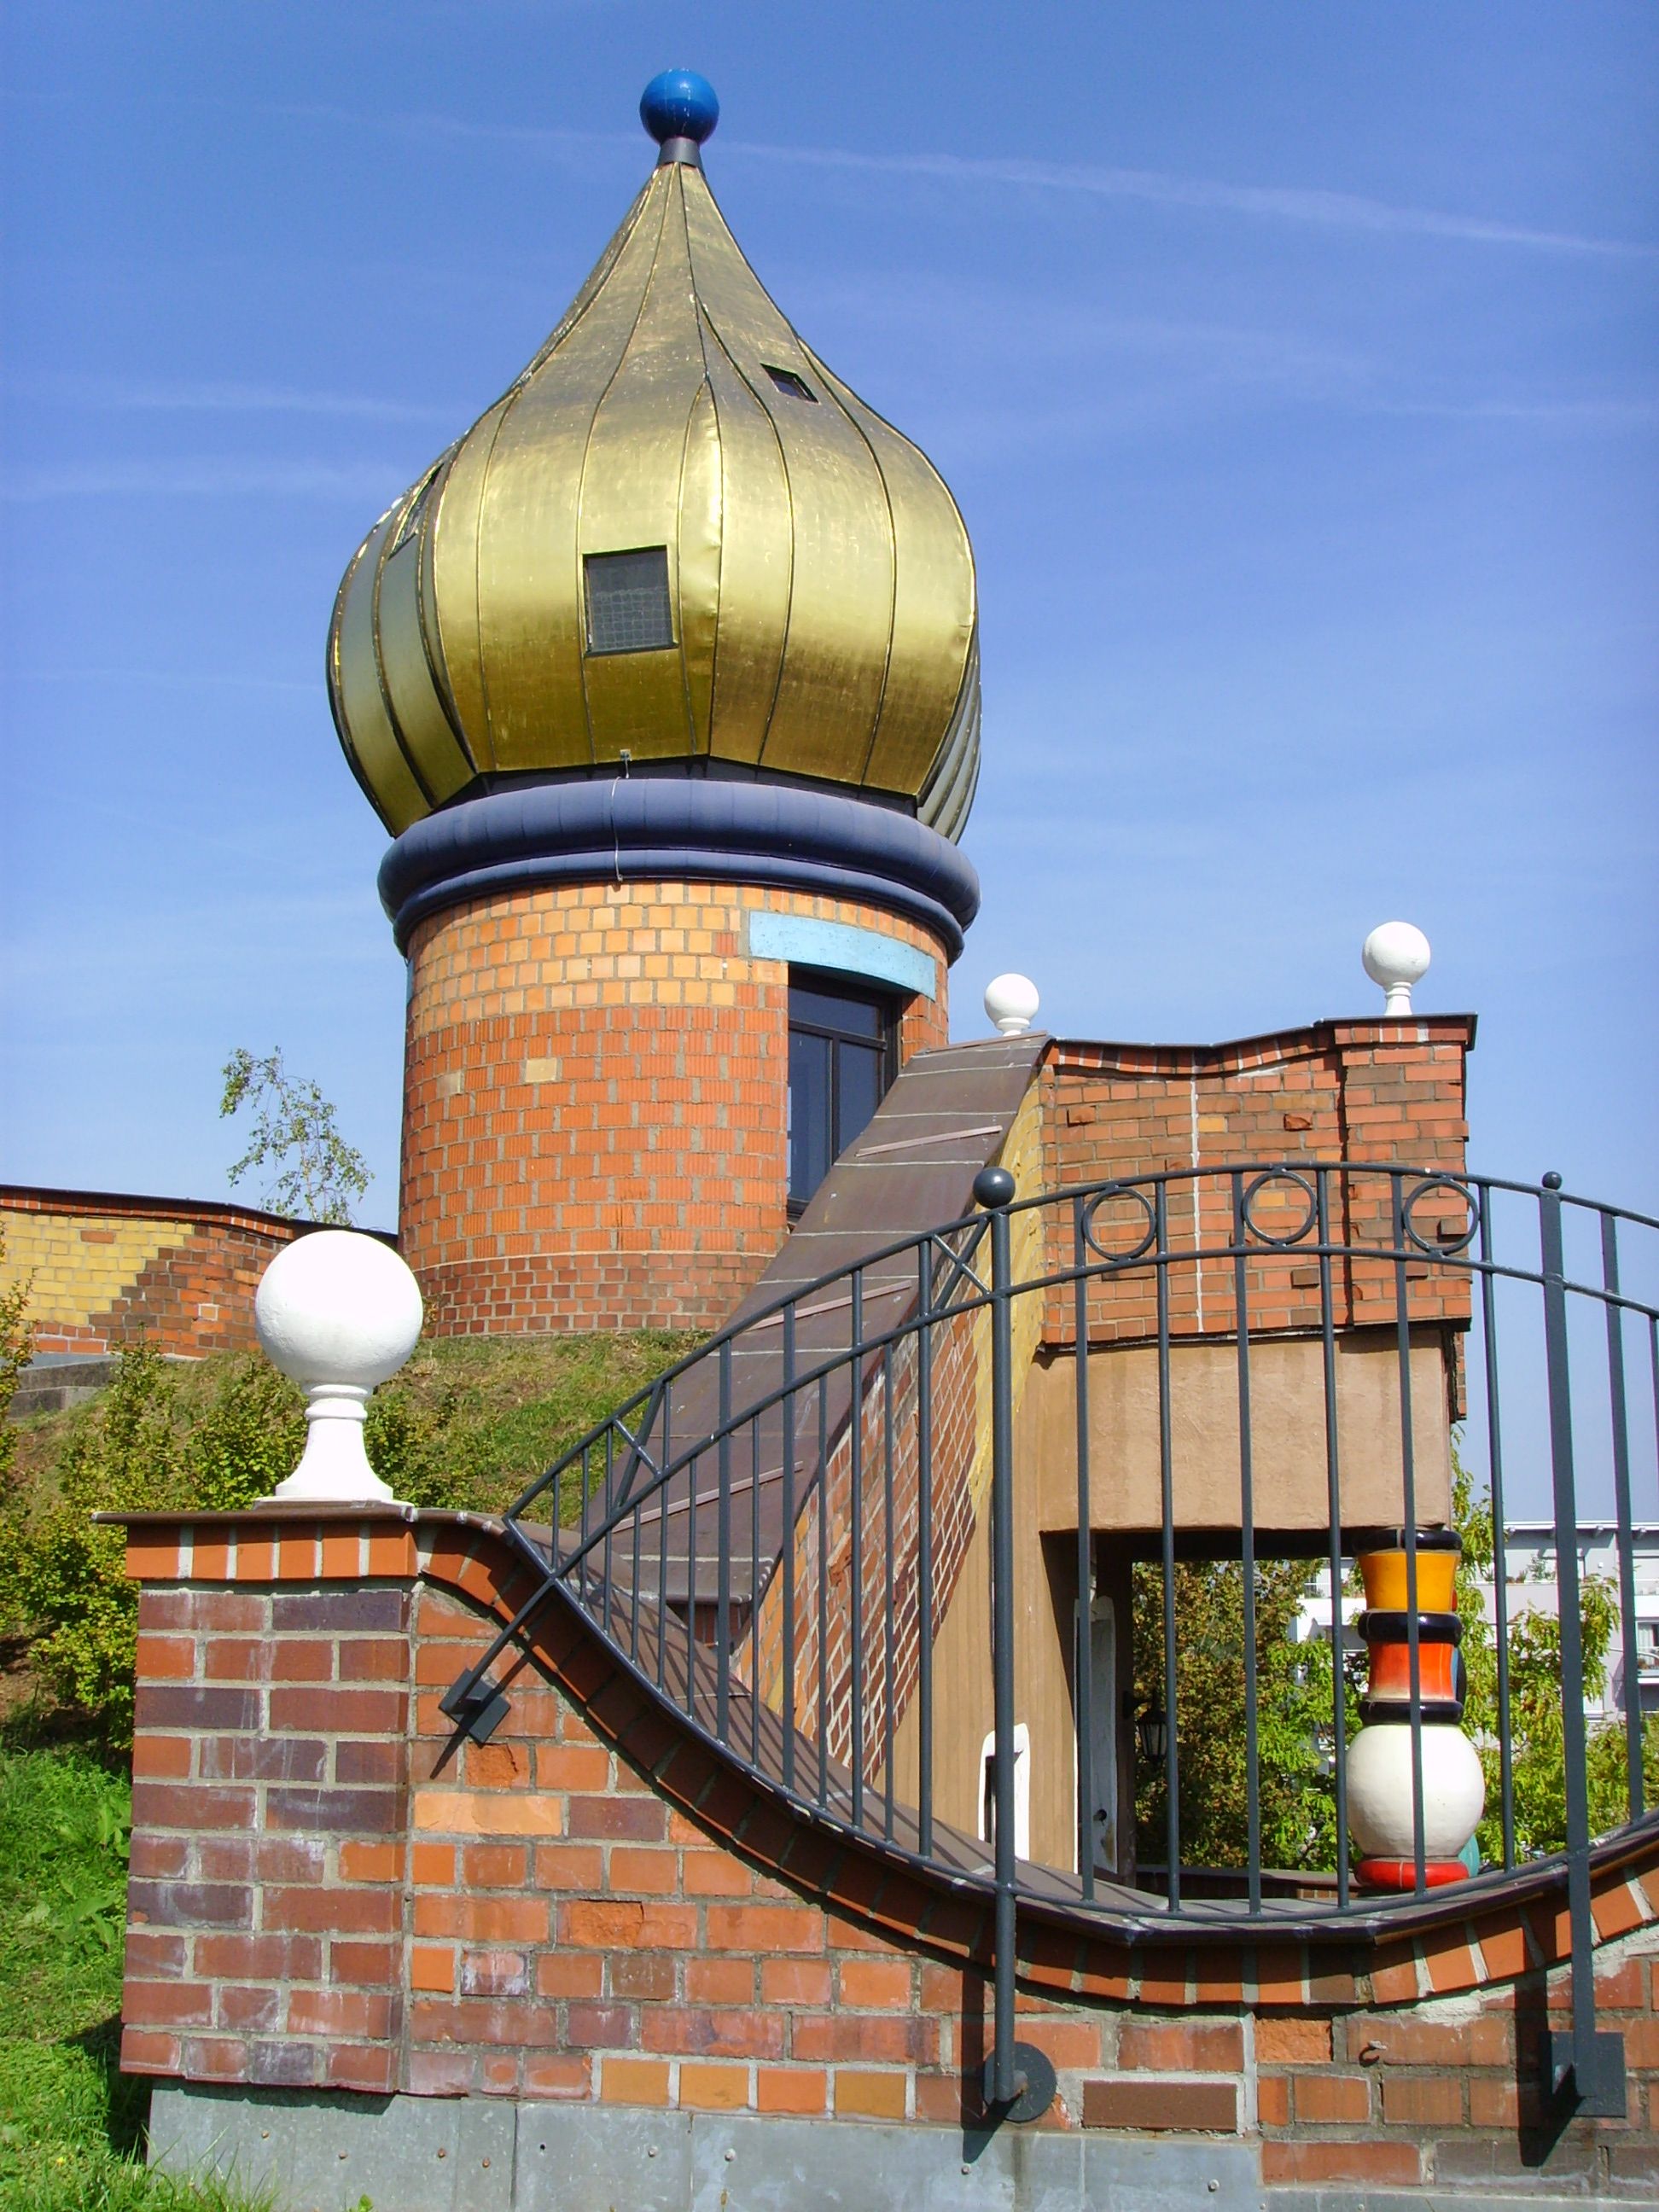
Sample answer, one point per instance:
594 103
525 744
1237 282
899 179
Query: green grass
71 2128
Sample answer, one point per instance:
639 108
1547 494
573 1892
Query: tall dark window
840 1061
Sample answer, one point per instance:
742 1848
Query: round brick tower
665 678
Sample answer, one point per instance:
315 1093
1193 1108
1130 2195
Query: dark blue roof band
656 828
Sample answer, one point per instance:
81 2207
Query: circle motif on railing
1249 1226
1443 1247
1086 1220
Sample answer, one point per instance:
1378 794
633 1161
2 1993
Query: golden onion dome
678 537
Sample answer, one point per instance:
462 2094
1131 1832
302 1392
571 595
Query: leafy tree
316 1175
1536 1730
1294 1690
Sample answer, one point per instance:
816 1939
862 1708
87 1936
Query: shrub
465 1425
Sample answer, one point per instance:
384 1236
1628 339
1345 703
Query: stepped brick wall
328 1891
1359 1090
594 1102
104 1267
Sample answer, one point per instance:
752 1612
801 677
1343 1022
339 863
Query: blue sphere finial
679 104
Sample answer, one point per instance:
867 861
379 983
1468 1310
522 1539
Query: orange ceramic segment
1384 1575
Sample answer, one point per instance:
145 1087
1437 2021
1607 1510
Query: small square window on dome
628 609
786 380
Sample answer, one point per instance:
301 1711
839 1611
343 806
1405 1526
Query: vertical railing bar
1002 2085
587 1484
723 1542
824 1592
1166 1511
1619 1412
1247 1543
754 1590
855 1520
1083 1664
924 1554
890 1546
609 1507
692 1585
634 1578
1408 1482
1581 1923
662 1553
1333 1496
1499 1545
789 1546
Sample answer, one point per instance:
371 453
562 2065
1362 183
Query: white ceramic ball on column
1395 956
337 1312
1011 1002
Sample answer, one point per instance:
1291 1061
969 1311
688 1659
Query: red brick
699 2031
1292 2042
875 2038
797 1981
616 1926
1190 2047
1124 2102
792 2089
716 1981
1308 2162
1343 2099
481 1920
570 1974
650 1974
1419 2100
370 1965
764 1927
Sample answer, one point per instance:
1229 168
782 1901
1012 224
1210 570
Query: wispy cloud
1307 206
1304 205
208 478
222 398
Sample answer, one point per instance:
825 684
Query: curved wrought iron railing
773 1535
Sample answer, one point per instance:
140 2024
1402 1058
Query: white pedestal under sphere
339 1313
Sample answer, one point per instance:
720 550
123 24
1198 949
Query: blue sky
1296 370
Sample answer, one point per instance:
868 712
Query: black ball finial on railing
1552 1180
994 1188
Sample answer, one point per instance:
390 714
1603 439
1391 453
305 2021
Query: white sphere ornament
1396 956
337 1312
1380 1791
1011 1003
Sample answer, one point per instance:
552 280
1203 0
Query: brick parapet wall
594 1102
104 1267
328 1891
1365 1092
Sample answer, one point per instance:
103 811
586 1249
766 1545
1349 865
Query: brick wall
104 1267
327 1890
594 1103
1361 1091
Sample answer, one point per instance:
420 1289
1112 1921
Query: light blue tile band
842 949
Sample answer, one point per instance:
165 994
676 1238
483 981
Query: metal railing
774 1537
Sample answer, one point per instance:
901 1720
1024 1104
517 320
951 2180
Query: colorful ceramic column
1380 1789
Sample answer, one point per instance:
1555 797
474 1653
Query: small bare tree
315 1174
